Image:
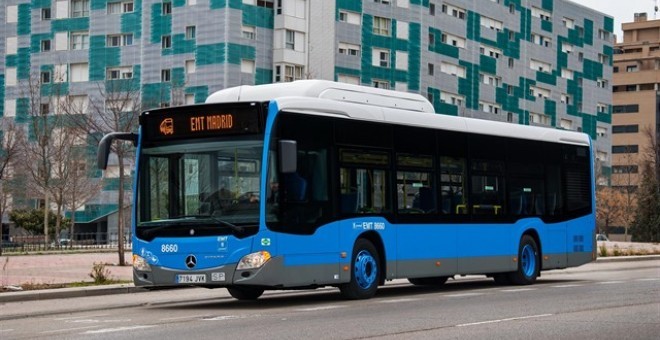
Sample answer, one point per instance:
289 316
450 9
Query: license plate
218 276
191 278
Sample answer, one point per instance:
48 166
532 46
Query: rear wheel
365 272
529 262
429 281
245 293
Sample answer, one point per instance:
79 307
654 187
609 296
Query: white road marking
503 320
185 317
398 300
464 294
118 329
609 282
567 286
69 329
223 317
6 330
517 290
649 279
314 309
80 317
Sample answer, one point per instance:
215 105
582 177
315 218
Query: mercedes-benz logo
191 261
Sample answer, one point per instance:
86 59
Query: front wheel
365 272
529 262
245 293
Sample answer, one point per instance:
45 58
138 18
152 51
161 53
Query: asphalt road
619 300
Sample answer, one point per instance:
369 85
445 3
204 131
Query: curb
75 292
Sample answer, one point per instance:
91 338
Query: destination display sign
199 121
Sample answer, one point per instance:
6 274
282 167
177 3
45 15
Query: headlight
254 260
139 263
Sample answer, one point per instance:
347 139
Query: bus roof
320 97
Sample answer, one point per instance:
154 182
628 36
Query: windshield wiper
232 226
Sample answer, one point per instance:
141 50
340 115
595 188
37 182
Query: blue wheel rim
528 261
366 269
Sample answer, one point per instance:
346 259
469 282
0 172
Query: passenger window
415 190
363 182
452 185
487 192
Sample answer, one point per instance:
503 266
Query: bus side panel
485 248
580 238
426 250
553 245
310 259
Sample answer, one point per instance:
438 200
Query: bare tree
627 182
116 109
39 146
12 136
610 207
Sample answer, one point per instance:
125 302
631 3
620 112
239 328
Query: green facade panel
2 95
101 57
23 63
69 25
181 45
24 26
41 3
200 93
350 5
258 16
161 25
132 22
210 54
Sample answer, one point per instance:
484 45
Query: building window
490 79
431 69
120 40
453 40
432 9
539 118
381 57
454 11
566 99
79 40
540 13
349 49
631 68
493 24
45 13
568 23
125 72
79 72
291 73
602 108
384 2
79 8
625 149
350 17
603 35
454 70
381 84
382 26
166 42
510 63
625 169
190 32
603 59
602 83
249 32
165 75
625 128
490 51
190 66
44 109
247 66
453 99
489 108
167 8
45 45
290 40
45 77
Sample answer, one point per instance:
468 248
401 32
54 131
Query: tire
429 281
529 262
245 293
365 272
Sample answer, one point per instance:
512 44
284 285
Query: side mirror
288 156
106 142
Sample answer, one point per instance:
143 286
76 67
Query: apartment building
636 100
534 62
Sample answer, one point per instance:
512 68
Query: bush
100 274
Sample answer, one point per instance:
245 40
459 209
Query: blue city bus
316 183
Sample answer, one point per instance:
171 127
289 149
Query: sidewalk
60 268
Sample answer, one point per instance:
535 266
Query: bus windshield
216 180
